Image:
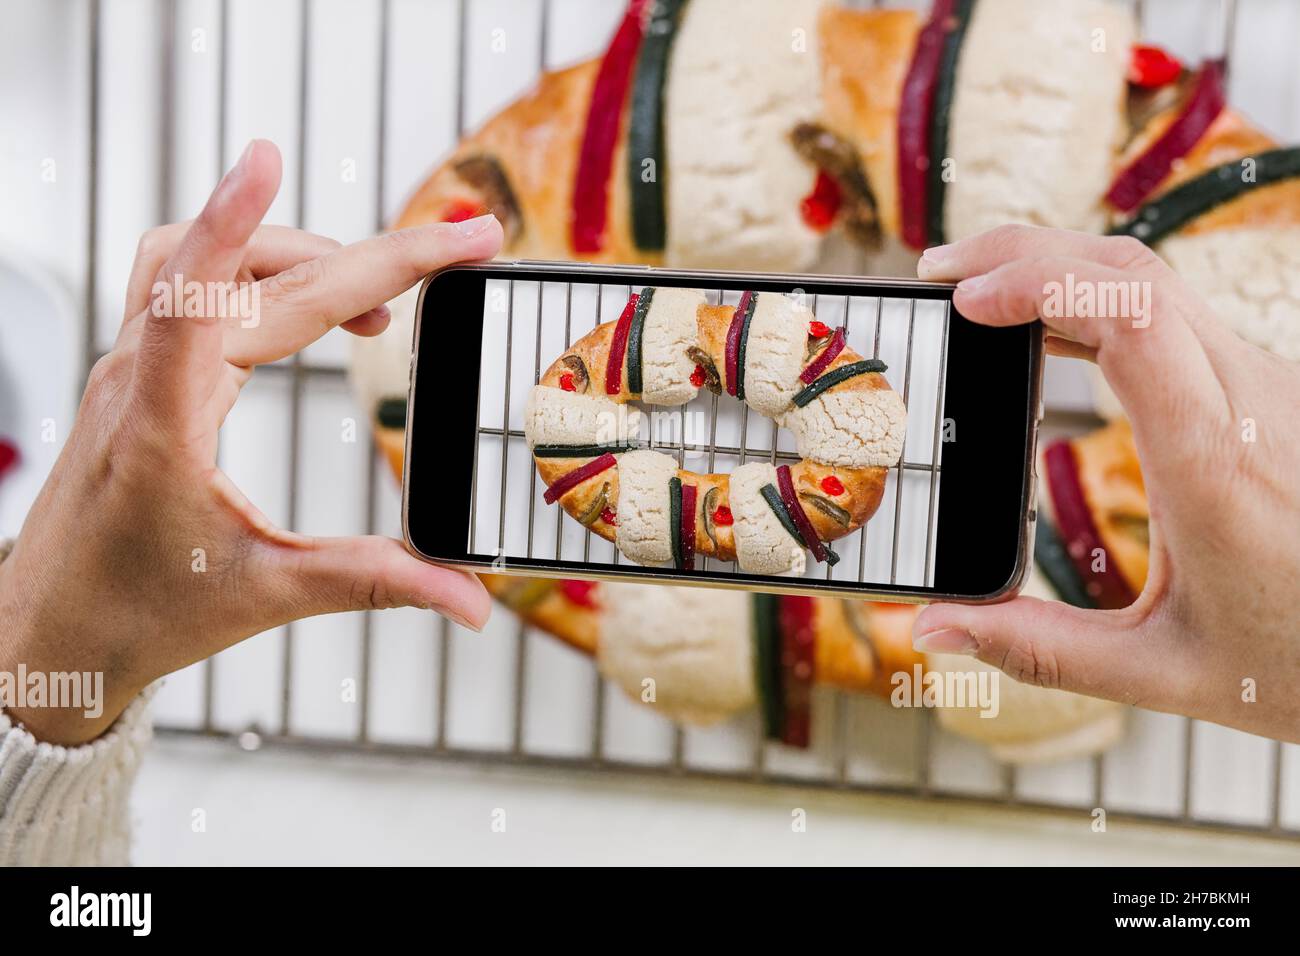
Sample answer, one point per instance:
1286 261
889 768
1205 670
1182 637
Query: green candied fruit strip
767 664
645 128
1211 189
392 413
581 451
836 376
634 339
945 93
773 499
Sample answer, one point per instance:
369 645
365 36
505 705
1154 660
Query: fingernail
472 227
972 284
242 161
936 254
949 640
460 619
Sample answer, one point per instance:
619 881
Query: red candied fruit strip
733 342
1145 173
818 365
798 653
785 485
915 110
1078 532
604 115
618 348
578 476
689 493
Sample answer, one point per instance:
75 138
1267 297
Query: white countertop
283 807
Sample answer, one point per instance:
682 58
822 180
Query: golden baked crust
543 604
536 140
1111 479
862 644
865 58
392 442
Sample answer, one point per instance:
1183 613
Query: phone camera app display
710 431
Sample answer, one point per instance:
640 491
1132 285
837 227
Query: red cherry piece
820 207
566 382
832 486
1150 66
461 210
580 593
818 330
609 517
722 515
698 377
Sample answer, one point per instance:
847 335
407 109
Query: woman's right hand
1215 633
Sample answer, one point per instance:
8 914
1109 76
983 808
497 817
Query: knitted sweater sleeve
69 806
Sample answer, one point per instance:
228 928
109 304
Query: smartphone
522 436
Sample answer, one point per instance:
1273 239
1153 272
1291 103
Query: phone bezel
639 275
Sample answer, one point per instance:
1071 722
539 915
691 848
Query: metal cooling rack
597 758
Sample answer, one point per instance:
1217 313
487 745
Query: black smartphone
811 434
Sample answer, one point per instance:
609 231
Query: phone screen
846 435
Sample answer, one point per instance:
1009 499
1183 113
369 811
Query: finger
299 306
988 250
179 356
1152 359
371 324
272 249
1099 653
1068 348
155 247
325 575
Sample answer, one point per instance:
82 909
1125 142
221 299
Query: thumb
1098 653
326 575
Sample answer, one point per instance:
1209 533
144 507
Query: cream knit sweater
69 806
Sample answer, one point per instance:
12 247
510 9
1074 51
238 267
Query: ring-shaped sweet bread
769 351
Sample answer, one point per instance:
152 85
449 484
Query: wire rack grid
933 765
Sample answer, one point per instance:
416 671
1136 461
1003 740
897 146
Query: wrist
52 679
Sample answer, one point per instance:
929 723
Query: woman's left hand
140 556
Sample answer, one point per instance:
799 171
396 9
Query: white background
280 806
